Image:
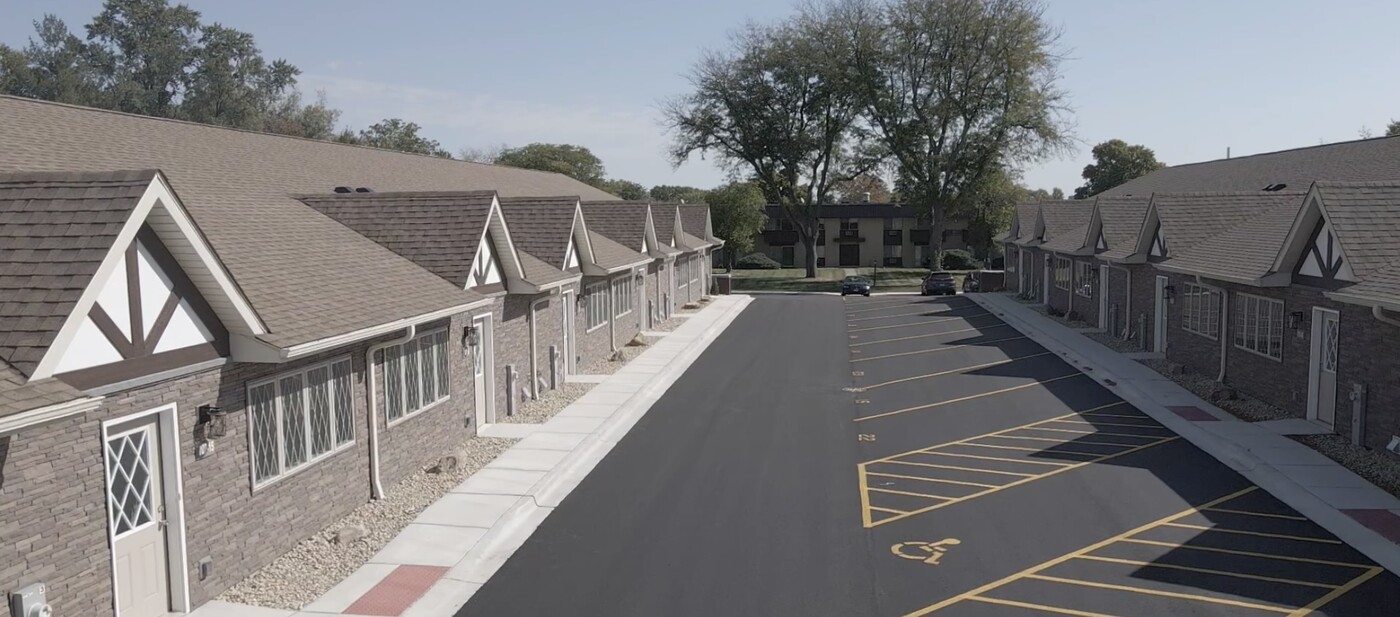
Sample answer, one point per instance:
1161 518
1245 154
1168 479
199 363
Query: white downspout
1224 332
1128 305
1379 314
1073 267
376 485
534 349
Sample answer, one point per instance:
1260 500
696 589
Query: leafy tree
231 84
992 203
144 50
736 212
488 154
773 107
955 90
1392 129
1115 162
625 189
1038 194
577 162
288 116
672 194
397 134
866 187
52 68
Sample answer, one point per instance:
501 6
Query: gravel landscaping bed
1378 468
549 403
669 325
608 366
319 563
1224 397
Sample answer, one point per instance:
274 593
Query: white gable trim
1159 244
506 256
173 225
1296 251
588 262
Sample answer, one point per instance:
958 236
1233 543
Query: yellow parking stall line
951 371
985 435
1263 514
1230 551
996 458
922 323
980 591
1115 415
1165 594
939 480
1070 441
1017 482
1151 426
864 495
1037 607
935 349
1172 566
1062 430
1336 593
894 492
916 314
933 334
968 398
879 509
954 467
1260 534
987 445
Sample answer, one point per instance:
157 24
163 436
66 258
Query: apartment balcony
919 237
894 237
780 237
849 235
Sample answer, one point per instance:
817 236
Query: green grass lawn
828 279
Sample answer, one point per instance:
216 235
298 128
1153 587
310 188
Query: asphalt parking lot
901 455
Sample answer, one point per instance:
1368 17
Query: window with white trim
1259 325
1010 260
596 303
622 296
682 267
1086 277
1200 310
415 375
1062 273
298 418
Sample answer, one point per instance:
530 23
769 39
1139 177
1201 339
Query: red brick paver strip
1194 414
1383 522
398 591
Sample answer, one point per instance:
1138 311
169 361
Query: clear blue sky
1188 78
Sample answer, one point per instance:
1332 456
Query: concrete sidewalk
1356 511
450 550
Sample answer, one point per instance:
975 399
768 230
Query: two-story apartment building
857 235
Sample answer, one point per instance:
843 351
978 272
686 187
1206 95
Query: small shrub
959 259
757 261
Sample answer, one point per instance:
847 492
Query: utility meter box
31 601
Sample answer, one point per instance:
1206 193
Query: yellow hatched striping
923 479
1230 551
1259 534
1019 448
1172 566
957 468
910 494
1262 514
968 398
1020 461
1038 607
1165 594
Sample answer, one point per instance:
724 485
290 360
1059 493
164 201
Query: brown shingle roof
55 229
663 218
307 276
1122 224
623 221
694 221
1189 218
16 396
438 231
1356 161
1025 221
608 254
1247 250
540 273
541 226
1066 218
1366 219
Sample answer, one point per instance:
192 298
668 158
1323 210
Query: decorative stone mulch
550 402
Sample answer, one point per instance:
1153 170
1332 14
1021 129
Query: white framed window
1086 277
1062 273
1200 310
622 296
596 303
415 375
1010 260
683 272
1259 325
298 418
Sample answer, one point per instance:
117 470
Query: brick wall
1200 354
1059 298
1119 295
1366 355
1086 307
1143 282
595 344
549 332
56 531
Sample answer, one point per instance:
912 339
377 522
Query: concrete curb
1230 452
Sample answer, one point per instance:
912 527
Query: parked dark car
939 283
855 285
984 280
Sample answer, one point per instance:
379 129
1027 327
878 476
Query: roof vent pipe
344 189
364 189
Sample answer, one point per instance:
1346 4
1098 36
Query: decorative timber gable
147 318
1322 260
486 267
1159 244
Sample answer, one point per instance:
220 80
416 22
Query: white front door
484 371
1322 379
569 309
136 508
1159 317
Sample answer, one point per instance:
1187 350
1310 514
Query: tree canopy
576 162
866 187
1115 162
396 134
625 189
667 193
736 212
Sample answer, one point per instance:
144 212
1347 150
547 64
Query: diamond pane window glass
130 496
393 382
429 366
440 341
292 402
262 405
318 394
344 412
410 369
